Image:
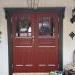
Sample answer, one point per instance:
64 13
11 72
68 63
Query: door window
23 26
46 26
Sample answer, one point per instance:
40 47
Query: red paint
35 55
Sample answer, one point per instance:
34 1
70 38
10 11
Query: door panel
23 41
23 55
35 42
46 50
47 41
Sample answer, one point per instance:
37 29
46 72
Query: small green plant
53 73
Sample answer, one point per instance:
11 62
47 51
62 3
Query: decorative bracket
72 34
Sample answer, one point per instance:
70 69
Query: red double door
35 42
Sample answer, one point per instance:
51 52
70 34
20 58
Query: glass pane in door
23 26
46 26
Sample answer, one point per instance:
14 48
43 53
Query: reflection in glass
46 26
52 27
23 26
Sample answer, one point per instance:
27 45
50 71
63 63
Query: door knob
32 36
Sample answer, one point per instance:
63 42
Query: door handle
33 37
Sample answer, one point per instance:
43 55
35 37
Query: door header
59 10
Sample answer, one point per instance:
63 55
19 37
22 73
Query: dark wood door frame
59 10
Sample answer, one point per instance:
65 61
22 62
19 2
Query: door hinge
58 65
11 19
12 65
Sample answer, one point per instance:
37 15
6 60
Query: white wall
3 45
68 43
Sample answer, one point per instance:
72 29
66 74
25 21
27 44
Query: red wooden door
35 42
